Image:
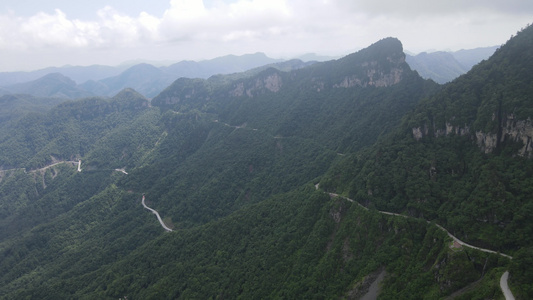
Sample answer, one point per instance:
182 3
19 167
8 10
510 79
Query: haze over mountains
75 82
292 180
443 67
147 79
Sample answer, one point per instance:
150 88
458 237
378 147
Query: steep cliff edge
491 104
461 158
510 130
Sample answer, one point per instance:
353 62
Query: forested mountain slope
462 158
13 107
67 131
373 88
251 138
230 163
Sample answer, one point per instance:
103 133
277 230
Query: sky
35 34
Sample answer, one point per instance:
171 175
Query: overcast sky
35 34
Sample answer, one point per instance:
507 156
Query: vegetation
231 164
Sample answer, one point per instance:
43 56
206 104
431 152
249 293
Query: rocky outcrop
272 82
451 129
348 82
511 130
487 142
238 90
374 75
420 132
388 79
520 130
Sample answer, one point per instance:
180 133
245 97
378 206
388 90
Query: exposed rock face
348 82
238 91
487 142
381 79
511 129
272 82
374 75
419 132
462 131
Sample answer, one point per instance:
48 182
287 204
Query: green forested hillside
462 158
67 131
372 88
240 166
16 106
297 245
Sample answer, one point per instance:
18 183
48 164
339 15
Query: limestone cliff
510 130
271 81
375 75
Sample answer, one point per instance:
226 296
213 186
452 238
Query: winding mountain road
54 164
470 246
505 287
157 214
503 280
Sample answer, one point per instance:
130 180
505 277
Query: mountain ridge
443 66
232 163
50 85
107 81
461 158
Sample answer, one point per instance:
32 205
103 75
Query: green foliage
298 244
443 175
521 273
67 131
231 163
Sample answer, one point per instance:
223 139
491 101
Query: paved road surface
503 280
157 214
505 287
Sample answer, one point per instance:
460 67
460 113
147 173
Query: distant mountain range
76 81
292 180
77 73
73 82
443 66
50 85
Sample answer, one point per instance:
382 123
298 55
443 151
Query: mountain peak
390 48
381 64
58 77
50 85
129 93
491 103
129 98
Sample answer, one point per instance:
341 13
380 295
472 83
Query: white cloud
191 20
412 8
188 29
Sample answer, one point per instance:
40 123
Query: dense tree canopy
242 167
